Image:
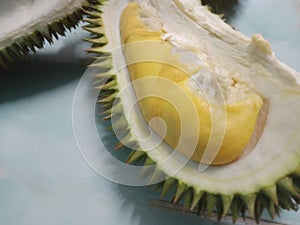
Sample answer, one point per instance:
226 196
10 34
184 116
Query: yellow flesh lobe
140 44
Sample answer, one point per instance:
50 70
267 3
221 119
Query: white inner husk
22 17
218 46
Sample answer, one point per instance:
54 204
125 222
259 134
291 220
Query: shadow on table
145 214
31 77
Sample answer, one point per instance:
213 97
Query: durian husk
31 41
283 194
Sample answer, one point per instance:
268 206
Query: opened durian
25 24
214 110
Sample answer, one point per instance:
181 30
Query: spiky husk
32 41
284 194
220 6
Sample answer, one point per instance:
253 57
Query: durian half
26 24
220 99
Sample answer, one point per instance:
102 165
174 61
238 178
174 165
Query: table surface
43 176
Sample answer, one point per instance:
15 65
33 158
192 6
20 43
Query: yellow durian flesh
241 114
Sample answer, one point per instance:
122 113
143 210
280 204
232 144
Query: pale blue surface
43 178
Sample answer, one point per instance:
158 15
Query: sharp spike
111 85
197 196
119 145
168 184
117 108
271 192
58 27
93 14
127 141
157 175
259 207
226 202
95 21
119 124
249 200
148 167
95 30
181 187
188 198
37 40
296 172
235 208
135 156
149 162
286 184
106 112
97 50
210 204
109 98
103 77
108 117
104 64
271 209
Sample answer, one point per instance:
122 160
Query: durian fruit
26 24
230 137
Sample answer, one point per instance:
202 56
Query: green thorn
6 56
286 184
111 85
149 162
188 198
249 200
38 42
271 192
67 22
130 142
95 30
168 184
297 172
271 209
58 27
180 190
92 13
117 109
103 77
107 112
95 21
226 202
210 204
119 124
197 196
109 98
259 207
149 166
235 208
156 176
135 156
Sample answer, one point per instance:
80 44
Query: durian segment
26 24
241 107
268 177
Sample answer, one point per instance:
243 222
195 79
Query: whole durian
220 99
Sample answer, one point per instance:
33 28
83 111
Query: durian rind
21 39
275 187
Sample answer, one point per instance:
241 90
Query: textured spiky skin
219 6
284 194
29 42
